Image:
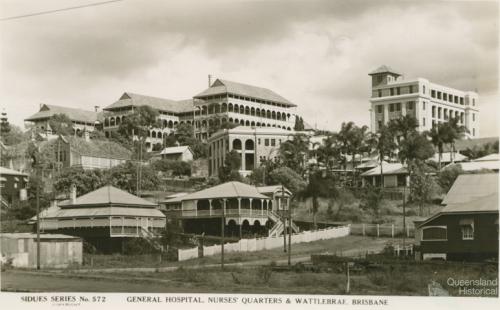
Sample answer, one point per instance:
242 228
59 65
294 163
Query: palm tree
293 153
438 139
454 132
383 143
329 152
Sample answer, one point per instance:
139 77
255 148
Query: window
423 105
462 100
473 102
258 141
379 109
433 111
392 91
379 93
266 142
423 121
439 112
434 233
423 89
433 93
398 106
379 124
391 107
473 132
445 96
409 105
455 99
410 89
467 228
473 117
439 95
273 142
398 91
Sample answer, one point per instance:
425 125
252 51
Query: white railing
268 243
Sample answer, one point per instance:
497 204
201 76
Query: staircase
278 228
151 238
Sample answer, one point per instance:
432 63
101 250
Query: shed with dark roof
467 227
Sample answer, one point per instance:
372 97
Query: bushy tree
288 178
176 167
447 177
229 171
11 134
293 153
371 200
423 187
299 124
61 124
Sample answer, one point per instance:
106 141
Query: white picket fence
268 243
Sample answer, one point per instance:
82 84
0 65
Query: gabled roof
388 168
490 157
129 99
477 165
109 195
49 110
175 150
446 157
245 90
470 187
226 190
384 69
7 171
471 193
94 147
272 189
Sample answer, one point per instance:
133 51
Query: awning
16 179
466 222
3 179
25 179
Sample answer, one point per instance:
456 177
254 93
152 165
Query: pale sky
316 54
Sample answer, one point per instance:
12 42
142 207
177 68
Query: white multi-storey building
254 145
171 113
241 104
393 96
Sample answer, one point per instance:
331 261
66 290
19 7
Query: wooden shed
56 250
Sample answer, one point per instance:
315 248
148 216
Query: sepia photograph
249 153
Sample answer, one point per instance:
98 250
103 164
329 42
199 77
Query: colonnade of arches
216 108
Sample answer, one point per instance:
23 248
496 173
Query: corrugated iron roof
490 157
33 236
175 150
104 212
446 157
94 147
130 99
49 110
477 165
470 187
388 168
7 171
109 195
244 90
226 190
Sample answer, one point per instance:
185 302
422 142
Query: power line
59 10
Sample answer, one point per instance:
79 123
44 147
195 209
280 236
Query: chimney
72 197
209 80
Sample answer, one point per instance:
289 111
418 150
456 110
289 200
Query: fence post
378 230
397 249
392 231
363 229
408 231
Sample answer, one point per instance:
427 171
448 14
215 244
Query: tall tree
293 153
454 132
438 139
383 143
330 152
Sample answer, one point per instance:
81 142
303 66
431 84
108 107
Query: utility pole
404 214
37 222
223 220
283 218
290 232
